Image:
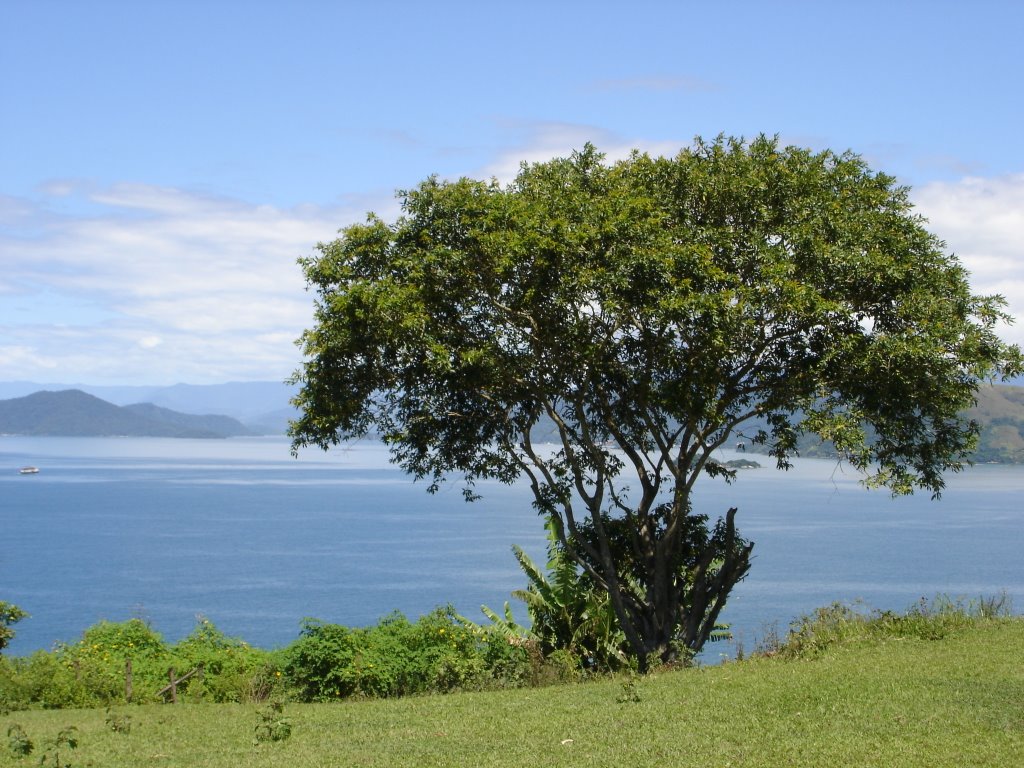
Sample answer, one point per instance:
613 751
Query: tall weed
839 624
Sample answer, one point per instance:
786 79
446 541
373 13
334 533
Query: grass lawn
957 701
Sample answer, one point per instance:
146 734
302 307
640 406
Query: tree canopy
647 312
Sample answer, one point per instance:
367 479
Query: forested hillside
1000 411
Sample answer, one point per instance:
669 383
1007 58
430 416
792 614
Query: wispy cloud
156 285
982 222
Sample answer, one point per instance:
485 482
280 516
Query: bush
91 672
319 663
393 658
233 671
438 653
99 659
445 654
511 662
40 680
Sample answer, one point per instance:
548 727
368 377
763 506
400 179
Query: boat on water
28 471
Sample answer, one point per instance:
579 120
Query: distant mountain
219 426
247 401
263 406
73 413
999 411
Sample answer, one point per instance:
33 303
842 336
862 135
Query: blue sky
164 164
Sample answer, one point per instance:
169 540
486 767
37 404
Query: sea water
242 533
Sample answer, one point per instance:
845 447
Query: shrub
91 672
396 657
98 661
40 680
233 671
511 662
445 655
57 748
440 652
319 663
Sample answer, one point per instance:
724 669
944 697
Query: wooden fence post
172 686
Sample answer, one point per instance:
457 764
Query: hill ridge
74 413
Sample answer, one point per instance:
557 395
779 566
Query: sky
163 165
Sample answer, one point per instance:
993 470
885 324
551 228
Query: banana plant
567 611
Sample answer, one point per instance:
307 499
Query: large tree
641 314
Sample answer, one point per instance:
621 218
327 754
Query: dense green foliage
92 672
569 614
438 653
945 693
571 618
652 310
397 657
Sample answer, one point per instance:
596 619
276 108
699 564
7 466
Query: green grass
955 698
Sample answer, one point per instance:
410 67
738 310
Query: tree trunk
673 616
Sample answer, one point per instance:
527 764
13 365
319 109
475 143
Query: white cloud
192 287
982 222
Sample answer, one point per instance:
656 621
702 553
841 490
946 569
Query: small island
742 464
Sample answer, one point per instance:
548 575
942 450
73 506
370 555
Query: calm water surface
242 533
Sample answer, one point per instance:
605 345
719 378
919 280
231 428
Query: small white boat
28 471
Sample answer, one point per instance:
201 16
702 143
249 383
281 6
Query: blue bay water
240 532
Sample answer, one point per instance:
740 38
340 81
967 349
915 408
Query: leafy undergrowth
932 688
129 662
839 624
